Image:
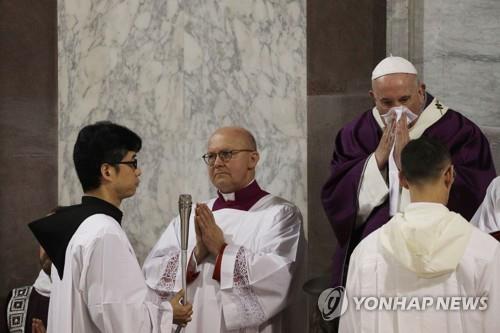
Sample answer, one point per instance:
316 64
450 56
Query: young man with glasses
245 247
97 284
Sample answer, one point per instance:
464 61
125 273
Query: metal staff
185 204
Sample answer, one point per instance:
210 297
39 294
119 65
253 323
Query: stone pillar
455 49
345 40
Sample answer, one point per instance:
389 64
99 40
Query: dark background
28 135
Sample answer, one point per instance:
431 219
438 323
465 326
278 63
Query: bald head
238 134
234 158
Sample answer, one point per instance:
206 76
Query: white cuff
227 266
167 316
373 190
193 263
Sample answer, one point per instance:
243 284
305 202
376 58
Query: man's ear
449 176
107 171
372 95
254 159
421 90
403 181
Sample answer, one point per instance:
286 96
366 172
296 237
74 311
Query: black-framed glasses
224 155
132 164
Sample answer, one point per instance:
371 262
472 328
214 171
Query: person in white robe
428 252
487 217
245 246
97 283
363 190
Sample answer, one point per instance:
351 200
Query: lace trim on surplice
247 301
166 284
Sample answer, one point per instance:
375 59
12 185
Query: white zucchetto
393 65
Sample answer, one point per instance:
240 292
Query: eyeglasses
224 155
132 164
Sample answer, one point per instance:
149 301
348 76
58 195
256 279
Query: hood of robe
426 238
54 232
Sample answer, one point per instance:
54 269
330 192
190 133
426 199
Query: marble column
174 71
455 48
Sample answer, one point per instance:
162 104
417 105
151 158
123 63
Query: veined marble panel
245 65
174 71
123 61
461 58
456 44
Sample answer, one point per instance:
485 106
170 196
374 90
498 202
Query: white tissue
394 188
397 112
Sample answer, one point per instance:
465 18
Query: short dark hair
424 159
102 142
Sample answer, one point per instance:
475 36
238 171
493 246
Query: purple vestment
356 141
244 198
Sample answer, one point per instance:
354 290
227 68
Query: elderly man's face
398 89
237 172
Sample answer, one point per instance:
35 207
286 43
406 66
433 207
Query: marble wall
455 47
173 71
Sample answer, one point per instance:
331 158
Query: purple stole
244 199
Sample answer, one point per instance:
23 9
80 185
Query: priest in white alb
426 252
244 247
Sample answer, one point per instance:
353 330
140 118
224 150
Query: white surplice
425 251
487 216
103 289
258 271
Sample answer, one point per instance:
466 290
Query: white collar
231 196
430 115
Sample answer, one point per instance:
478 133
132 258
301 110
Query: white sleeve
487 216
350 320
161 268
491 289
361 282
114 290
373 190
255 284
